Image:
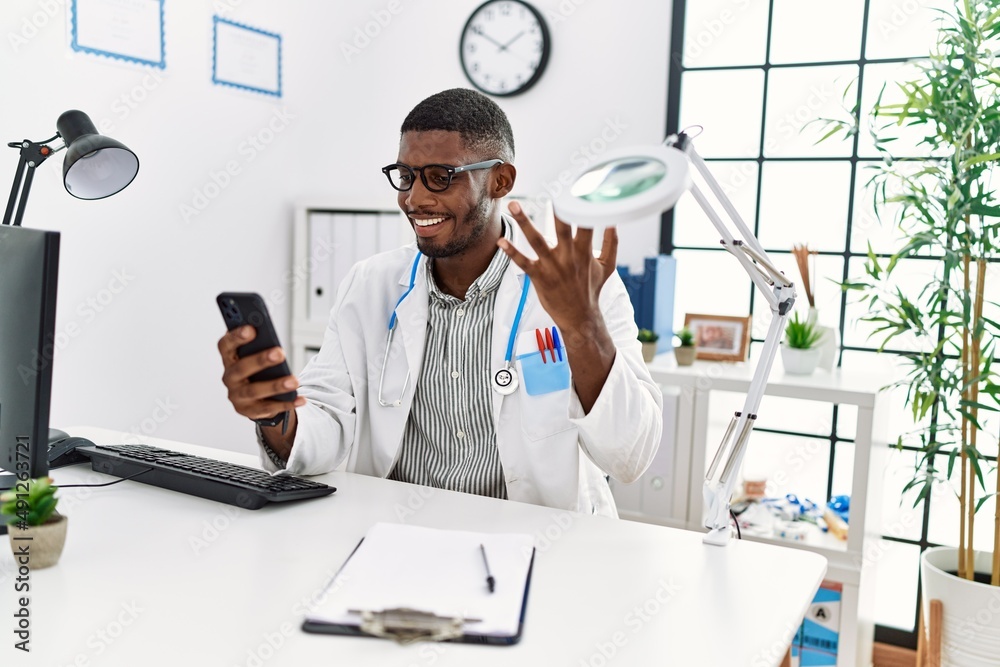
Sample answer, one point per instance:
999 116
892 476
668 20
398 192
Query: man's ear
502 180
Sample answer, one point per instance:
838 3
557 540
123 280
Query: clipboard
410 583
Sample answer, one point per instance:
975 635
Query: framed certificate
129 30
246 58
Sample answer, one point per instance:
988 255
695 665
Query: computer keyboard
238 485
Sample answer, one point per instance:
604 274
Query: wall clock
504 47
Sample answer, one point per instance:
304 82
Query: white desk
151 577
848 561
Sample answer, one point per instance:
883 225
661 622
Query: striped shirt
450 438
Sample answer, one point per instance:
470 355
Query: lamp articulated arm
779 292
33 153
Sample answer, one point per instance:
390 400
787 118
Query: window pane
910 276
882 79
794 37
723 287
899 29
790 464
792 414
724 32
944 519
899 517
739 181
881 231
797 95
709 99
843 470
804 202
896 569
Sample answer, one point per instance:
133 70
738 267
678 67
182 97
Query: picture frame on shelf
720 337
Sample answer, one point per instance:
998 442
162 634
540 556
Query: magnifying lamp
95 166
632 183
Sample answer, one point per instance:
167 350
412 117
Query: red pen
541 344
549 344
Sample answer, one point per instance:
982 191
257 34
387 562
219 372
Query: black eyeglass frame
487 164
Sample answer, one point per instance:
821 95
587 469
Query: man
504 375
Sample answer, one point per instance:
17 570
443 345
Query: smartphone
239 308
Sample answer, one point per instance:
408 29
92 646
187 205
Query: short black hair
482 124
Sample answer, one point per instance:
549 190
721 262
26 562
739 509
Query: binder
410 583
320 249
344 248
365 235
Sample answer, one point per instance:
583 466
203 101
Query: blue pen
556 343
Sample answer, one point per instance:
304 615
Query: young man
460 397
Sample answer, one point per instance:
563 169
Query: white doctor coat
552 453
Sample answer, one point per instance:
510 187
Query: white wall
137 321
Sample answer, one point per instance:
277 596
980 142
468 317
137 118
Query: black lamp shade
95 166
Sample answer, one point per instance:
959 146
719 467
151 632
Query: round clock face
504 47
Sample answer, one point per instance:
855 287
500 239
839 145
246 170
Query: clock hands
511 41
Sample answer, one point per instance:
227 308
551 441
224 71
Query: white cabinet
327 241
691 389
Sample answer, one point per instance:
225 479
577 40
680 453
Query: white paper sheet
439 571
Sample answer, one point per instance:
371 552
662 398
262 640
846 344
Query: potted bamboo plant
37 532
945 206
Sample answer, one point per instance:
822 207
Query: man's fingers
265 409
533 236
516 256
247 366
564 232
583 242
256 391
609 250
233 340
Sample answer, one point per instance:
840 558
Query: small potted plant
686 349
648 339
800 353
29 510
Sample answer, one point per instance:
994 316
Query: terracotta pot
685 355
648 351
44 543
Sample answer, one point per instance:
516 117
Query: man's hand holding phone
260 384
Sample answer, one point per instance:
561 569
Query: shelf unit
847 562
321 256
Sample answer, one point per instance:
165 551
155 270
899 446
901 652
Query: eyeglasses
435 177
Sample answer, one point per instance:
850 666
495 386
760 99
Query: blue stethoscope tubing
504 381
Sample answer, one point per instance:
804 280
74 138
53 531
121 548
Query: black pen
490 581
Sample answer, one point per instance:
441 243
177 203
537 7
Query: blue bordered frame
76 46
216 20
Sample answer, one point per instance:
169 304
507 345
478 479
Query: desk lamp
631 183
95 166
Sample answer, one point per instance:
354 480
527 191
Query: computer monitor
29 272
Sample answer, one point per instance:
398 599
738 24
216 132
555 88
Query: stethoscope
504 380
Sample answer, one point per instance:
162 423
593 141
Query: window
754 73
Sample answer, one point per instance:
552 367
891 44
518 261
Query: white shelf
846 559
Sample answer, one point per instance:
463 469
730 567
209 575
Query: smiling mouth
427 222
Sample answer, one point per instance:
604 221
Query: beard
467 234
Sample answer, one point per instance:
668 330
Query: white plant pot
799 362
828 343
970 633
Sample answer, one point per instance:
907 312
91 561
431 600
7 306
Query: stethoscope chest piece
505 381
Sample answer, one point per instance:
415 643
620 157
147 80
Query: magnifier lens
619 179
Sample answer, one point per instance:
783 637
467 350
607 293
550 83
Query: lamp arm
32 154
779 292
